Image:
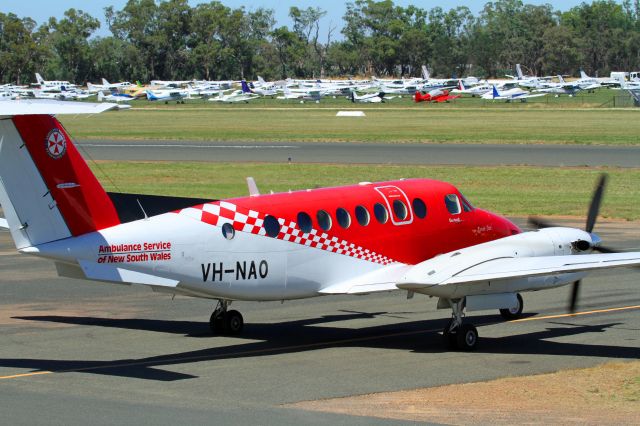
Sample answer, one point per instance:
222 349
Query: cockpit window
466 205
453 203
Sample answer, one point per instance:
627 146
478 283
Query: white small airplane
474 91
53 85
167 95
243 95
561 88
369 98
529 82
107 87
515 94
416 235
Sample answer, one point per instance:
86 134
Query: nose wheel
224 321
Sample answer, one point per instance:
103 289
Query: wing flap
509 268
377 281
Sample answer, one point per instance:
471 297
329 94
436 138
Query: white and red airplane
418 235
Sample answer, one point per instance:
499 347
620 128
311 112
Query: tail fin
47 190
519 72
495 92
561 79
425 72
461 85
150 95
245 87
105 82
39 79
261 80
583 74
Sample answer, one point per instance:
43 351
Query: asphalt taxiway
362 153
76 352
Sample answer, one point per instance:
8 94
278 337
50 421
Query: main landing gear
227 322
515 312
456 334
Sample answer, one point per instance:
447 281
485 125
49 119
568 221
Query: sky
41 10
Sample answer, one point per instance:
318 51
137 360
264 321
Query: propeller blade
538 223
596 200
575 289
603 249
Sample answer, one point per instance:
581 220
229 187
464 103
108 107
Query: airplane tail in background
425 72
461 85
583 74
150 95
105 82
245 87
561 79
495 92
47 191
519 72
39 79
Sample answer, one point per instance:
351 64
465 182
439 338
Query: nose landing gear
226 322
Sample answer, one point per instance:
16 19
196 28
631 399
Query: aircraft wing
519 267
51 107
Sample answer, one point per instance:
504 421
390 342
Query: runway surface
363 153
76 352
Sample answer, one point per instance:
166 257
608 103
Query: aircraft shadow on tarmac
302 336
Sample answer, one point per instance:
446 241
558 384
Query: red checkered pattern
246 220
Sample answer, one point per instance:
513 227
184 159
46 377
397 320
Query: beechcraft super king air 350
416 235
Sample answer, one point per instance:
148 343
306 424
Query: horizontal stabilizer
100 272
51 107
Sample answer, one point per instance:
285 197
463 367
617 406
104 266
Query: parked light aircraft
167 95
53 85
370 98
474 91
515 94
107 87
242 95
561 88
436 95
418 235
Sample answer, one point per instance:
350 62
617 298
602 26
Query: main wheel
217 322
514 312
234 322
467 337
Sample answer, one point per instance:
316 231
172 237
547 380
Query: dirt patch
607 394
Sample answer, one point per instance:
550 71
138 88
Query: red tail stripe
85 206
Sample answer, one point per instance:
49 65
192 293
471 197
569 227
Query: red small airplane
436 95
415 235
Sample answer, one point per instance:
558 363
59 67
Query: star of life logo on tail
56 144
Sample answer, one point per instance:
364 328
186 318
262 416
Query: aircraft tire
510 314
234 322
467 337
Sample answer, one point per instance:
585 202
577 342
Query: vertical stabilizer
519 72
46 189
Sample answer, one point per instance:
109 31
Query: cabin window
453 203
381 213
227 231
419 208
304 222
324 220
362 215
343 217
400 209
271 226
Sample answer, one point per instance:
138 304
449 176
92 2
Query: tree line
171 40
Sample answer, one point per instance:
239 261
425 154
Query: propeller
592 216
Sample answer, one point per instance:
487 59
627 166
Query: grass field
518 191
550 120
